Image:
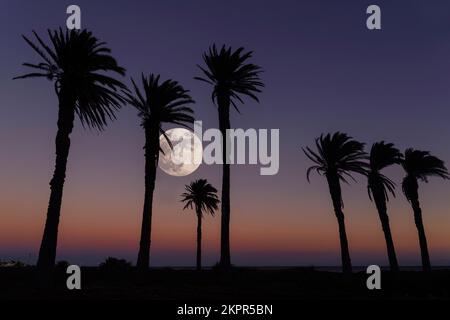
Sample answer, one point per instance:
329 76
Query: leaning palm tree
338 156
77 63
160 102
419 165
232 77
201 196
379 186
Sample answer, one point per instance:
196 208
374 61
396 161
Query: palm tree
232 77
77 63
338 156
419 165
160 102
379 186
201 196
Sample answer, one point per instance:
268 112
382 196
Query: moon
185 156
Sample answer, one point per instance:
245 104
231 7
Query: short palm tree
201 196
78 64
379 186
159 103
419 165
232 77
338 156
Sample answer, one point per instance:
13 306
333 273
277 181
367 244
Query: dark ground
215 285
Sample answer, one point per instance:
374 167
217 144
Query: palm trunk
47 251
151 162
426 265
335 191
199 240
224 125
380 203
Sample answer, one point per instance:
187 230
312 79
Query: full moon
185 155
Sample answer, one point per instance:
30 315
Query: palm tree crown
230 74
419 165
337 154
77 63
381 156
232 77
161 102
201 195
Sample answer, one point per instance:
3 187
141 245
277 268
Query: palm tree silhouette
231 77
76 62
379 186
419 165
337 156
160 102
201 196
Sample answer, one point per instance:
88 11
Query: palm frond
158 103
382 155
420 165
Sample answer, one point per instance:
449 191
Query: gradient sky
324 71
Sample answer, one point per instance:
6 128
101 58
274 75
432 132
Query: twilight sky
324 71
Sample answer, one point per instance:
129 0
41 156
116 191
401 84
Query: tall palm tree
419 165
379 186
338 156
77 63
201 196
160 102
232 77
